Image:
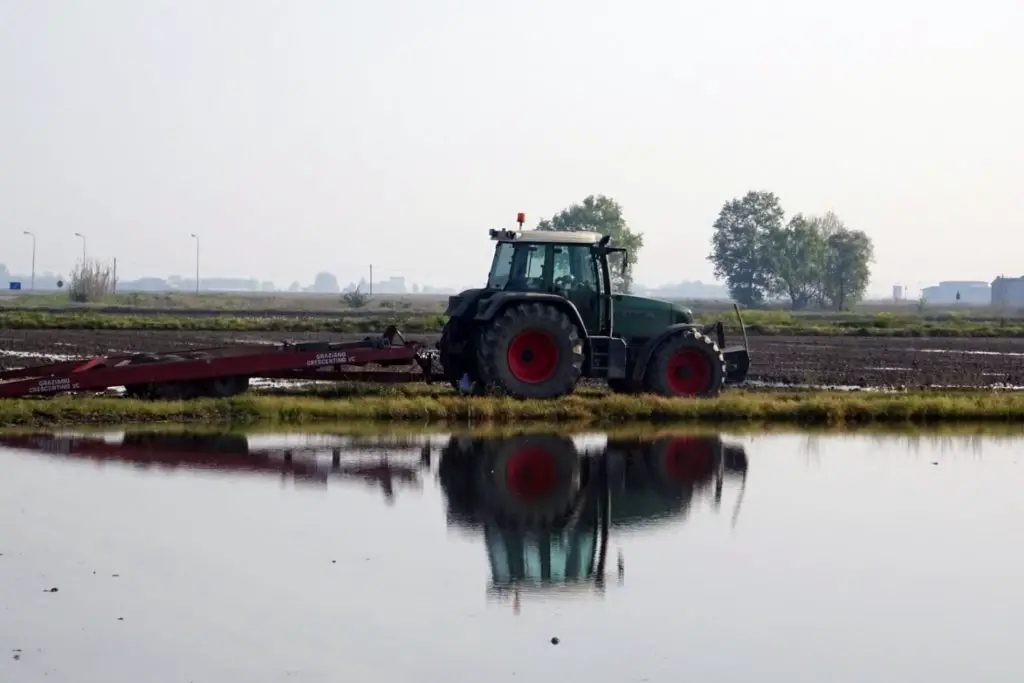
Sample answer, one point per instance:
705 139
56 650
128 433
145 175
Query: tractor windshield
518 266
501 267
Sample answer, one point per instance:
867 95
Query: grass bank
369 433
765 323
598 410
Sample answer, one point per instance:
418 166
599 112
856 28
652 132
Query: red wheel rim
533 357
531 473
689 372
688 459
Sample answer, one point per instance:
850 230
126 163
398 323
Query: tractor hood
643 303
638 316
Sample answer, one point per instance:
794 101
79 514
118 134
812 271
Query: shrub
355 298
90 281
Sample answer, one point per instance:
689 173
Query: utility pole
78 234
197 261
33 236
115 277
371 279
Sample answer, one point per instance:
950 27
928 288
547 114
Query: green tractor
547 317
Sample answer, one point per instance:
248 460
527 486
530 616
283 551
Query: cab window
518 267
501 267
575 269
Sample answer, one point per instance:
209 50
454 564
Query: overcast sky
304 135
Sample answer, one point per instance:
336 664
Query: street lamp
196 237
78 234
33 236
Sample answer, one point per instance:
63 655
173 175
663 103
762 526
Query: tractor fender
644 357
459 304
494 305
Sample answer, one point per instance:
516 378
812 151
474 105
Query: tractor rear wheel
449 362
687 364
531 351
530 481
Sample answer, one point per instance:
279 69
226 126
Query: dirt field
829 361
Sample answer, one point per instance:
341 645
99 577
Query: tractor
546 506
548 317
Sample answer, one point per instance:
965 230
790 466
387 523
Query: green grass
596 409
766 323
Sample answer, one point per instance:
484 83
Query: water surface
779 557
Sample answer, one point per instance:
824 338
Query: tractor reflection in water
546 507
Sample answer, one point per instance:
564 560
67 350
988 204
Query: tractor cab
546 261
573 265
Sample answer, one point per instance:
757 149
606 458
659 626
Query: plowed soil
816 361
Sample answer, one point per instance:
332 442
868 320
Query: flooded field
143 555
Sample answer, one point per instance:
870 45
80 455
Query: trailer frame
226 370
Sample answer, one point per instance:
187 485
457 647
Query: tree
828 223
798 254
847 268
598 213
743 243
812 259
325 282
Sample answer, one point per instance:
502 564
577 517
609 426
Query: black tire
624 386
454 365
223 387
529 481
145 391
686 364
531 351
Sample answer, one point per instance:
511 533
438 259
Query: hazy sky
305 135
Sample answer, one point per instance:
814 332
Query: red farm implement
226 371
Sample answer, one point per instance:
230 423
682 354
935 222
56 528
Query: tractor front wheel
687 364
531 351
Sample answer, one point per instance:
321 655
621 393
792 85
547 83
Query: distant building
971 292
898 293
1008 292
393 285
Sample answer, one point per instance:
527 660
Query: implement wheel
687 364
531 351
